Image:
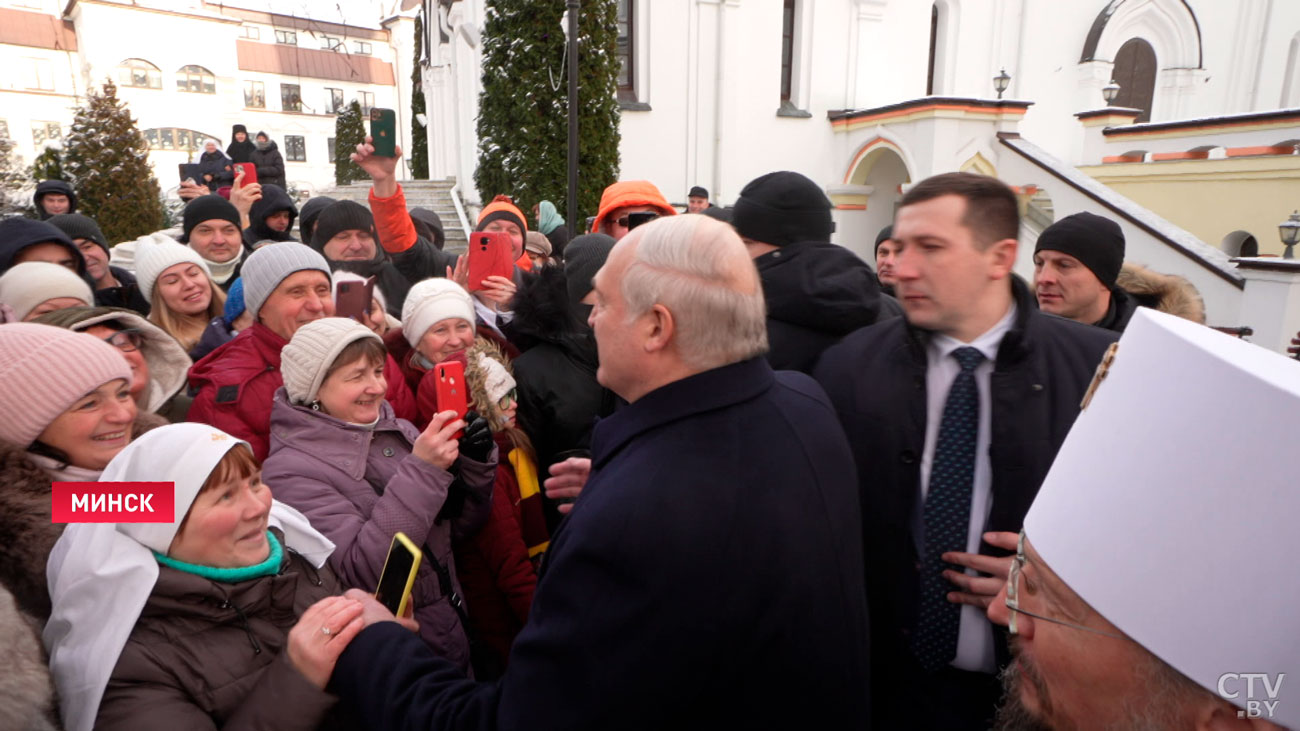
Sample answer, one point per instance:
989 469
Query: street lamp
1001 81
1289 230
1109 92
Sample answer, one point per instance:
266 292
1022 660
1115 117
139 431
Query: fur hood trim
1164 292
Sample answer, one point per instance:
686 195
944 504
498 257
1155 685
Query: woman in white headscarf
216 169
226 617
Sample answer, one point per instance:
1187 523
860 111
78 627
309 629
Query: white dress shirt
975 633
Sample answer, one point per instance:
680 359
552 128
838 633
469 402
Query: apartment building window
367 100
329 43
139 73
287 37
251 32
42 131
334 100
290 98
255 94
196 80
626 51
38 74
363 48
172 138
295 148
329 147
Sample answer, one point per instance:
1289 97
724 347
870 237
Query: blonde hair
476 381
698 269
186 329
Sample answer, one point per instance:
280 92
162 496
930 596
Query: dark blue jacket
709 577
876 379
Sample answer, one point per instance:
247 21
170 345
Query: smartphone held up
383 132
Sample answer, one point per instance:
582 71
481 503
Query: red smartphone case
489 255
353 299
451 394
250 172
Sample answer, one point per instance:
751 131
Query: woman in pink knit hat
67 406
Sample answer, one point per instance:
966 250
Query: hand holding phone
249 170
451 394
353 299
398 577
489 256
383 131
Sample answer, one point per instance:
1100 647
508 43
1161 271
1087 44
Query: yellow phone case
417 555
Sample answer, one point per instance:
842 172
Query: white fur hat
312 350
497 380
432 301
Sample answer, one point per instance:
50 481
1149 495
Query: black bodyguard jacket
816 293
876 380
704 580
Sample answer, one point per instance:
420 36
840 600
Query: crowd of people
715 472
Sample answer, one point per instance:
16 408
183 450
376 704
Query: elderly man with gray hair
710 574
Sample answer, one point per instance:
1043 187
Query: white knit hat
432 301
346 276
27 285
265 268
497 380
156 253
311 352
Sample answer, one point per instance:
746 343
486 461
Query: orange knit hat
502 208
627 193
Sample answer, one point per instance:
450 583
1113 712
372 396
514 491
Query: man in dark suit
710 574
954 413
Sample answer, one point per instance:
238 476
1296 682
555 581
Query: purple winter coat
326 467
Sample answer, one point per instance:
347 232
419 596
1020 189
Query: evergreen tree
14 178
49 164
419 152
107 160
349 131
523 125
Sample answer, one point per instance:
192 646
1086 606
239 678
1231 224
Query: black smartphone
190 171
639 218
383 132
398 578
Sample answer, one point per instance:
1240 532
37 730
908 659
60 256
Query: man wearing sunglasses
624 198
1156 588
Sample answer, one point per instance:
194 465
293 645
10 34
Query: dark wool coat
876 379
708 577
207 654
816 293
270 165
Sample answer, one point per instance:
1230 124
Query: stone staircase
434 195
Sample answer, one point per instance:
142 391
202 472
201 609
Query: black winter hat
783 208
237 129
207 208
77 226
62 187
583 257
698 192
308 213
18 233
885 234
429 225
338 217
1097 242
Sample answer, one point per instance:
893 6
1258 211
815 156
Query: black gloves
476 443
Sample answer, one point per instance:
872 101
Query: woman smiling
225 617
341 456
67 410
180 290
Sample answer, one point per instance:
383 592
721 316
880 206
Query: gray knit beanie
265 268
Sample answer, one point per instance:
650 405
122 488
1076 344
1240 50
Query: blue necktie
947 514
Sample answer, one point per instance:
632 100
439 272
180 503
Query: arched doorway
877 175
1135 72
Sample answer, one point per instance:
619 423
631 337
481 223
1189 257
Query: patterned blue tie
947 514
